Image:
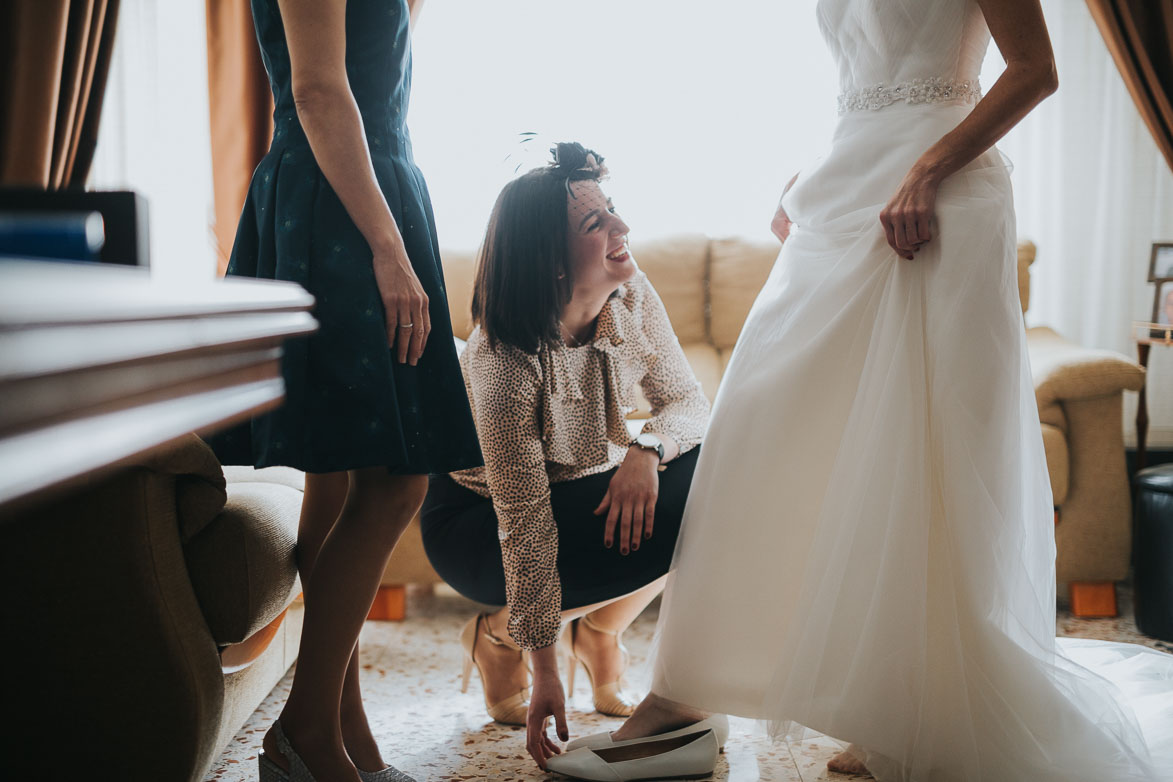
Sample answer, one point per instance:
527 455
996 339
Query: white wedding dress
868 547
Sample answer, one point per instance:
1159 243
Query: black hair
523 275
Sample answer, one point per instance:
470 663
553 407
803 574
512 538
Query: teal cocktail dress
349 404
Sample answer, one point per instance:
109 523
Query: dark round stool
1153 551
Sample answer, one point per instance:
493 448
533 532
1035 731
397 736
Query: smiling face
599 257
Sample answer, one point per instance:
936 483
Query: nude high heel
512 710
609 698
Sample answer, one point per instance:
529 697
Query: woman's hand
546 700
631 499
404 301
908 218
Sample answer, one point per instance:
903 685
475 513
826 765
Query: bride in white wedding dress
868 548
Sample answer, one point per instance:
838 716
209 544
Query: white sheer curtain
155 137
1093 192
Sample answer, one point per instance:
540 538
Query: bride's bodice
918 51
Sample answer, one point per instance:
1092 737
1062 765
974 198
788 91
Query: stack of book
65 236
74 225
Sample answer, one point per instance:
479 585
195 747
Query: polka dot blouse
559 415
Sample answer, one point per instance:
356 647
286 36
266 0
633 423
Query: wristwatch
650 442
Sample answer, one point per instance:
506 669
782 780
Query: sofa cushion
677 267
705 361
459 270
738 269
242 565
409 562
1058 463
285 476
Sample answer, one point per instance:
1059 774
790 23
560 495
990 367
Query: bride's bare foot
657 715
847 763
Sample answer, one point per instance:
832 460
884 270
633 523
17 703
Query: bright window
703 110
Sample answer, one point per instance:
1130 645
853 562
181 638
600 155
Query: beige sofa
708 286
146 616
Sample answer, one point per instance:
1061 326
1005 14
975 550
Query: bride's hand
780 225
908 218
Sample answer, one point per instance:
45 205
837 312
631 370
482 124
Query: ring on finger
406 326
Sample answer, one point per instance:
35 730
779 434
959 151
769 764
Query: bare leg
847 763
345 578
324 498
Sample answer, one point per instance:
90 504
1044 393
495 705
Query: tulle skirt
868 546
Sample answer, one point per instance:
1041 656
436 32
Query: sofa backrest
459 268
678 268
737 271
707 285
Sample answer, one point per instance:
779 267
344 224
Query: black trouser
460 537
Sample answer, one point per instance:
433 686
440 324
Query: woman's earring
562 276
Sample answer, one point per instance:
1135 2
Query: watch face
651 442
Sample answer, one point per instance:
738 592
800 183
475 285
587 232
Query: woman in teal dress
375 400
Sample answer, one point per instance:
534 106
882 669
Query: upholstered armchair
1080 393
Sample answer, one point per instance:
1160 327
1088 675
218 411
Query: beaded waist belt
932 90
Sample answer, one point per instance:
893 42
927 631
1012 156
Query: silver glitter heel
389 774
271 772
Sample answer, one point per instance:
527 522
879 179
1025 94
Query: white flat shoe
688 756
718 723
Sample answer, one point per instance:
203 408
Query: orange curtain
241 107
1139 34
56 58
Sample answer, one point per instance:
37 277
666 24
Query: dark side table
1146 335
1153 551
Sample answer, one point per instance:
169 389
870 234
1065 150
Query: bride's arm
1018 29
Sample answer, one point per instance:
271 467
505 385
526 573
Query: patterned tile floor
411 681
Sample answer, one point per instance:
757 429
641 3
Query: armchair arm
1064 371
200 489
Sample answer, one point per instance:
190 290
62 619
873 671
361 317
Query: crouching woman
572 521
